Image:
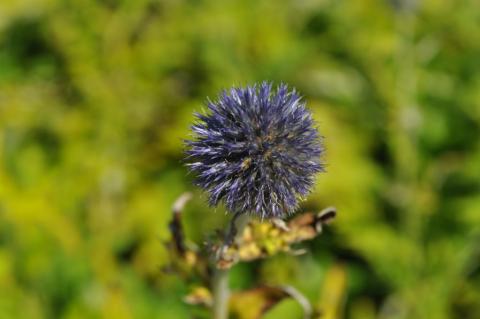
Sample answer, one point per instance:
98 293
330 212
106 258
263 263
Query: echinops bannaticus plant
256 149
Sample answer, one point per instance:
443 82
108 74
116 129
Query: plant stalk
220 286
221 293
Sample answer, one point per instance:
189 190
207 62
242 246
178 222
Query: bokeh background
96 97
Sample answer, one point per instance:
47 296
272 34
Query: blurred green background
96 97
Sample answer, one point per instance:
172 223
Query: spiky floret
257 149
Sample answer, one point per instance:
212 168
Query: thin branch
301 299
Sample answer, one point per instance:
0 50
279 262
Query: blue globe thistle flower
257 150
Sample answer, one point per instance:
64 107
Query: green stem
220 287
221 294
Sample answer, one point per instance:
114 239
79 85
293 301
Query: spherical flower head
257 150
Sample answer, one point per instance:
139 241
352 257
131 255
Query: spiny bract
257 149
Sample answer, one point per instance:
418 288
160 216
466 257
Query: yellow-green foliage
96 97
